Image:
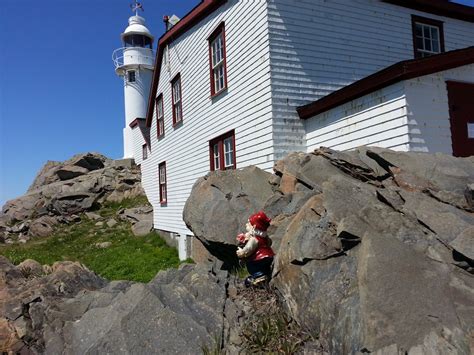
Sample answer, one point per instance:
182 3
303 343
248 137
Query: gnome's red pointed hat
260 221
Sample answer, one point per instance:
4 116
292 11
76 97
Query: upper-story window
428 37
144 151
160 124
177 100
217 60
222 152
131 76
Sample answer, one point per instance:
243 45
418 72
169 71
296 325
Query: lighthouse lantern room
134 63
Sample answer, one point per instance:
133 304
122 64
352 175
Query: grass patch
128 257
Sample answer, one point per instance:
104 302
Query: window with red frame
144 151
162 182
428 36
177 100
160 125
217 60
222 152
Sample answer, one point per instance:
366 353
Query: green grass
128 258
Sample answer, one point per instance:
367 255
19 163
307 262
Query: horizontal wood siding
318 46
138 141
428 109
245 107
378 119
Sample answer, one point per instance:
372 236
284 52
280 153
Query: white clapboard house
244 82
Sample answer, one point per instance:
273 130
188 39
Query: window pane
418 30
427 44
161 125
435 46
434 33
419 43
131 76
217 164
426 32
228 152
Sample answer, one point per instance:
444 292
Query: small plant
268 329
26 271
215 348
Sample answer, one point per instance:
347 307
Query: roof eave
443 8
405 70
205 8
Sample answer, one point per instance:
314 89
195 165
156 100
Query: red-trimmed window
177 100
144 151
428 36
222 152
217 60
162 182
160 124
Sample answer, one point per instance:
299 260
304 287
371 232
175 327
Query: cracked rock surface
73 311
374 247
61 190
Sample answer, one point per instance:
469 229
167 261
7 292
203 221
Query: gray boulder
220 205
374 247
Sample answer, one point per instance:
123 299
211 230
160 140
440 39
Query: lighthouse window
137 41
176 98
131 76
217 58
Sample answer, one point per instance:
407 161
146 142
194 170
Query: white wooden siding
378 119
245 107
318 46
428 109
138 141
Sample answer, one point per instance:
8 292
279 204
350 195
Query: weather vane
135 6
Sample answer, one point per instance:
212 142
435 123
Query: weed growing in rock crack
215 348
268 329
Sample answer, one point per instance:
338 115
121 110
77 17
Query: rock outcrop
374 255
73 311
61 191
374 247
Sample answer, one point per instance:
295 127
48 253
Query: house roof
206 7
438 7
203 9
404 70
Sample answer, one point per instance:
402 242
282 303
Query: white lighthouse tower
134 63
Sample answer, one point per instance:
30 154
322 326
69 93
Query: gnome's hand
240 252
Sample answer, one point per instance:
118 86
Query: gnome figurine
255 249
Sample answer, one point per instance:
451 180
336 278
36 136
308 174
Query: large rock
73 311
374 247
220 205
72 187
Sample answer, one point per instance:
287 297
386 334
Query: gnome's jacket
257 248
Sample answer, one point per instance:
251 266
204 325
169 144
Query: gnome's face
249 227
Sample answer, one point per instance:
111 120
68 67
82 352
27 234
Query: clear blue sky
59 95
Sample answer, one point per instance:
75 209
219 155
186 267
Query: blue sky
59 95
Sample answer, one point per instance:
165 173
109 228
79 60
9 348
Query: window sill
219 93
163 203
161 136
178 124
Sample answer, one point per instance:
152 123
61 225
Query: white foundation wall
245 107
319 46
428 109
378 119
